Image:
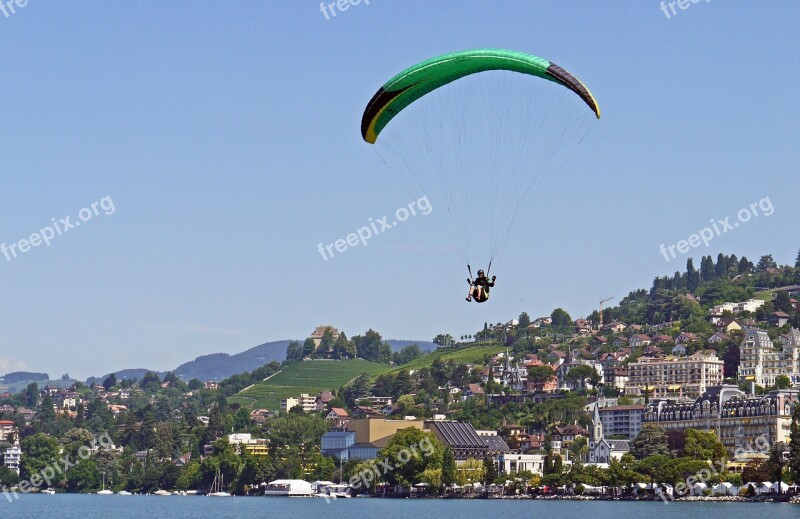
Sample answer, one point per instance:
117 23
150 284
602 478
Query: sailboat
104 492
218 485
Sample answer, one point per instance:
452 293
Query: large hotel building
674 377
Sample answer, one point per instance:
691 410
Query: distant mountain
423 345
125 374
218 366
23 376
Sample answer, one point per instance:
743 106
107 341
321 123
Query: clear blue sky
227 136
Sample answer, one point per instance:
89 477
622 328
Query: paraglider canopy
419 80
483 132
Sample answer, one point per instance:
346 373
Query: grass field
310 377
313 376
462 355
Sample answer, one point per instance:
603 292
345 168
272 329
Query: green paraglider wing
423 78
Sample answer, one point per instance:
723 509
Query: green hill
461 355
311 377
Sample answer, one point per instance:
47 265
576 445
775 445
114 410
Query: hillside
463 355
311 376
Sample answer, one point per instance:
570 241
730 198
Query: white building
751 305
12 457
761 363
288 487
674 377
306 402
513 463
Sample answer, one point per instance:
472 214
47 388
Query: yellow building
378 432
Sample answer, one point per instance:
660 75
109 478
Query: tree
309 347
745 266
32 394
357 390
797 261
540 374
692 276
82 476
583 374
707 270
703 446
38 452
406 355
294 351
405 404
722 266
8 478
402 384
561 319
411 452
489 470
651 440
783 302
46 415
766 262
794 443
439 371
448 467
326 344
580 449
444 339
524 320
110 381
151 381
782 382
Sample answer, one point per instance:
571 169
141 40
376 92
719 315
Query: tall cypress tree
448 467
489 470
794 444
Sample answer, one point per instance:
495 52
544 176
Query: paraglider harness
479 287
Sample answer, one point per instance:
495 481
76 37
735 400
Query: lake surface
71 506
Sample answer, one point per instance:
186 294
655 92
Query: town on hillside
697 375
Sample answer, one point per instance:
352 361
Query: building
759 361
288 487
319 333
621 420
337 418
363 438
564 436
674 377
322 400
741 422
606 450
8 432
511 463
306 402
751 305
12 457
465 441
255 446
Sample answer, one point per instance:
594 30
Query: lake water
71 506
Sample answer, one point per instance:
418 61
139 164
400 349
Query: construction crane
606 300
